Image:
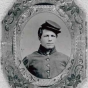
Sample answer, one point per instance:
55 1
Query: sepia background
5 5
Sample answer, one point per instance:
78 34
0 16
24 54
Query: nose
49 38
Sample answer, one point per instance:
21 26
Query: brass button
47 53
48 77
48 65
47 59
48 71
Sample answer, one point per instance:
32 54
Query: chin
50 47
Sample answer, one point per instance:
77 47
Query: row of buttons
48 65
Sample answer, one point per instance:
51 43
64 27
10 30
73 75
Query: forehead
48 32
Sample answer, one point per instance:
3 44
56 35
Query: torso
46 66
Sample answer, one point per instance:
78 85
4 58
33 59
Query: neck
42 50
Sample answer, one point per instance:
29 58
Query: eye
53 36
46 35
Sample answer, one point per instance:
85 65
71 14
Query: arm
26 62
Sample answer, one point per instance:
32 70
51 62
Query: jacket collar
42 50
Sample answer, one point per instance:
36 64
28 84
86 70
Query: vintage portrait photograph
44 44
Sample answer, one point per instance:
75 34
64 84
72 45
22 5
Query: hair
40 32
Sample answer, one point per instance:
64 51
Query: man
46 63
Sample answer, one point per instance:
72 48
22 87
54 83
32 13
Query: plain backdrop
5 5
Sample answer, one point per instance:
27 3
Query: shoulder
62 56
30 56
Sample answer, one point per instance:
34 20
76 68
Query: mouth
49 43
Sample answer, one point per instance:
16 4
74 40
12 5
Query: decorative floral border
13 24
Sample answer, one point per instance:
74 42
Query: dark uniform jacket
46 63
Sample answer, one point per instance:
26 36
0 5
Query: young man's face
48 39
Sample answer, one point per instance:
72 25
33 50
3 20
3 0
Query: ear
39 38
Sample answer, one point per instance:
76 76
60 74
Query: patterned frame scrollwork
13 24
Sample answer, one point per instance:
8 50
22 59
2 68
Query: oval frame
40 82
13 24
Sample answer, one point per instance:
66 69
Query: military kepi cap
50 25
